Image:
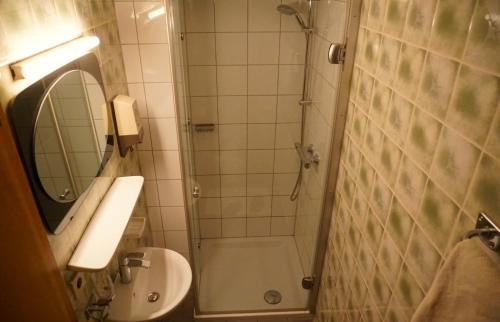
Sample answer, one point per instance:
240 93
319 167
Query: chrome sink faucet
131 260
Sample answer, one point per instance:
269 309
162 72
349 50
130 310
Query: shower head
289 11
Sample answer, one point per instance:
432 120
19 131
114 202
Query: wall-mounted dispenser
129 131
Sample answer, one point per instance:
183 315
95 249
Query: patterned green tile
376 14
364 91
419 21
358 126
484 45
474 102
365 7
423 138
358 289
371 50
409 70
380 198
365 258
373 141
389 259
380 289
354 84
395 312
410 185
437 84
387 63
455 162
437 215
485 189
408 292
398 121
422 258
348 188
399 225
493 144
379 106
450 27
359 208
353 157
360 45
395 17
365 179
389 161
373 232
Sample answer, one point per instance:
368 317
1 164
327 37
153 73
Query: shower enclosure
259 110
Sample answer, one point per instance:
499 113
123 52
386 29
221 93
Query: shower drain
153 297
272 297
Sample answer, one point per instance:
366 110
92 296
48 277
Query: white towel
466 289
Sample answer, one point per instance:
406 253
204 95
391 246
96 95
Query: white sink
169 276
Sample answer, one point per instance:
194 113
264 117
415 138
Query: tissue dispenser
128 128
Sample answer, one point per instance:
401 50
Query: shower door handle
196 192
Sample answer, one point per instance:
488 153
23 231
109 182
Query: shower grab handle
307 155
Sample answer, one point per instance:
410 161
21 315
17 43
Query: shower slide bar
487 231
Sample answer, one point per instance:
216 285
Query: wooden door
31 286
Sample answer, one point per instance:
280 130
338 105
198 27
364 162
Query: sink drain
153 297
272 297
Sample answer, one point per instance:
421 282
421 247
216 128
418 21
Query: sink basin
169 277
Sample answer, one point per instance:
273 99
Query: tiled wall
144 38
27 27
328 23
421 154
245 76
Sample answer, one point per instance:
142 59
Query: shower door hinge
307 282
336 53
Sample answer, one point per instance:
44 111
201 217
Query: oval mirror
70 136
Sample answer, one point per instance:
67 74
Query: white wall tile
232 109
263 48
286 161
233 136
231 48
160 100
201 48
259 206
262 109
155 59
292 48
233 227
283 206
210 228
132 62
262 79
209 207
151 28
146 140
206 162
233 162
259 184
230 15
290 79
288 109
170 193
287 134
283 183
199 16
164 134
260 161
259 226
261 136
167 164
233 185
136 90
263 16
232 80
209 185
233 207
158 239
147 165
177 241
126 23
204 109
202 80
151 192
155 219
282 226
173 218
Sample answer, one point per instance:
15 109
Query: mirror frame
23 111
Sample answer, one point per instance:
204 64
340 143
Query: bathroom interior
250 160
